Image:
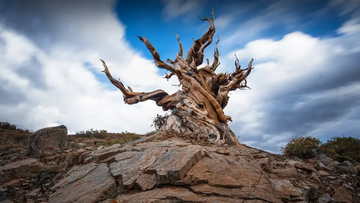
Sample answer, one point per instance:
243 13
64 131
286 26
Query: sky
306 80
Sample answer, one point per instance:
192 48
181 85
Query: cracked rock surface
173 170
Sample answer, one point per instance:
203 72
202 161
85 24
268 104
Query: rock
322 166
74 174
101 154
323 173
129 165
285 189
13 183
315 178
89 188
7 201
356 169
325 159
287 173
136 149
347 186
172 170
161 195
173 165
348 163
47 141
305 167
342 168
325 198
290 162
147 181
176 194
32 194
20 169
139 140
264 163
229 176
223 151
342 195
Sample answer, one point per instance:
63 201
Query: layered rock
162 168
88 184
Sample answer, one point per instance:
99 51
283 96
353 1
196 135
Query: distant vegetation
13 133
8 126
338 148
10 132
110 138
99 134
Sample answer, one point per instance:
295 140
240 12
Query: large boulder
47 141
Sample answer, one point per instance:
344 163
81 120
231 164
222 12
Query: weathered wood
197 109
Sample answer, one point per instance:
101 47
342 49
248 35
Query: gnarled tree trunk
196 110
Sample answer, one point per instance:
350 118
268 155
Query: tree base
200 131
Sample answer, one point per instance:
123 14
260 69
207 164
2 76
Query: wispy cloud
176 8
344 7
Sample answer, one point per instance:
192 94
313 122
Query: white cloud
72 94
351 27
298 66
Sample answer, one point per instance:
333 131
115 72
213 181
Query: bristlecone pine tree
197 109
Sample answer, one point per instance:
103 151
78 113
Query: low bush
303 147
338 148
159 121
342 149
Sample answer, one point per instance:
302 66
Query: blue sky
305 82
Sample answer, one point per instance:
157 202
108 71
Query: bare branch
158 62
237 79
181 51
168 76
216 62
116 83
131 97
197 49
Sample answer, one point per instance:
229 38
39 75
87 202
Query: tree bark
197 109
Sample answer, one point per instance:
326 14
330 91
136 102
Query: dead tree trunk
197 109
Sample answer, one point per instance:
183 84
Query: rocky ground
163 168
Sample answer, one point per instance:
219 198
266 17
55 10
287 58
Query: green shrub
159 121
342 149
303 147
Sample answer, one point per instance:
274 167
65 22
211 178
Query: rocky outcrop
177 171
169 169
47 141
87 184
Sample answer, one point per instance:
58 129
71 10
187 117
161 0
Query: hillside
161 167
